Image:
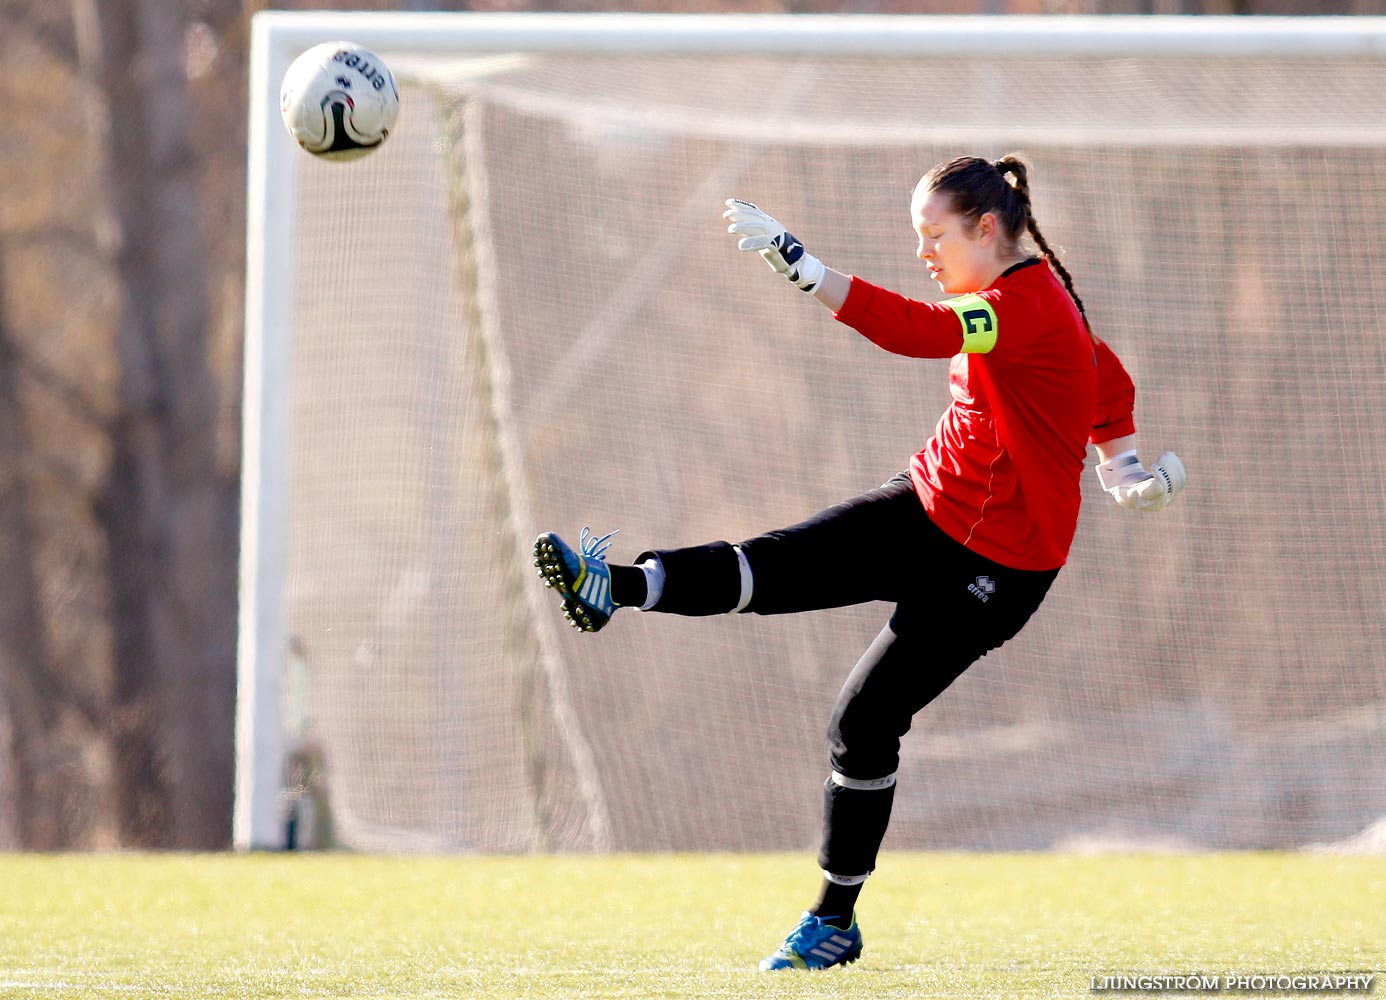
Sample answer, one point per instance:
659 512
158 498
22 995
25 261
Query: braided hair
977 186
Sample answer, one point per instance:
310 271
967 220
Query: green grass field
647 926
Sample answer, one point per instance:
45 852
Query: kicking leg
853 552
856 551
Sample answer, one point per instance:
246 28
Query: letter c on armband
978 321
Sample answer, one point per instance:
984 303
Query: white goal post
272 193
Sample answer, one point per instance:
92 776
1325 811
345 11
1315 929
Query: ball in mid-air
339 101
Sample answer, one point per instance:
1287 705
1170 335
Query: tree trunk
169 516
36 818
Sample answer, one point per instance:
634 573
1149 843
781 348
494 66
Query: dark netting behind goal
550 329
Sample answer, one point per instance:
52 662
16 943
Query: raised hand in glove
781 250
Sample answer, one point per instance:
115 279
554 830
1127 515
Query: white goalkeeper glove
1135 488
761 233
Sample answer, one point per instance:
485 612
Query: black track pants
952 607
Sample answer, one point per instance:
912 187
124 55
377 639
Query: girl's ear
986 228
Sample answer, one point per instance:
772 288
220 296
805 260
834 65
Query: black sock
628 586
836 903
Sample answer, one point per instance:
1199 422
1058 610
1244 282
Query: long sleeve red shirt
1030 389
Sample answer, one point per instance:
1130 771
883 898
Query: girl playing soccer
965 543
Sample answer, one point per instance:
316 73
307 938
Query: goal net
523 313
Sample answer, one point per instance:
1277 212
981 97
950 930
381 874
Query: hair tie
1002 167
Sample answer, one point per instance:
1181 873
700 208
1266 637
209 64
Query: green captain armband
978 322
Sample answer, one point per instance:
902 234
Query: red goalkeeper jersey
1030 389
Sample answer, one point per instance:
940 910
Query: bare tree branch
73 395
46 26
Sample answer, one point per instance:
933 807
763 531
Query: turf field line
61 986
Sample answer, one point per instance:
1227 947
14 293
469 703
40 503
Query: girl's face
958 260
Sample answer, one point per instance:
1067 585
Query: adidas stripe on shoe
813 945
581 577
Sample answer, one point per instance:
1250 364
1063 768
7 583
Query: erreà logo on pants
983 588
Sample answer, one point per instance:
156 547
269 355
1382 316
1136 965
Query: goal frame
278 36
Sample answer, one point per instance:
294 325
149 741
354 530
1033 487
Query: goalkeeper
965 543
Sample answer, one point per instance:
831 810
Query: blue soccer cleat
815 945
581 578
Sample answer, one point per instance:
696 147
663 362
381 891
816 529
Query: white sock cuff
747 581
845 879
654 582
863 785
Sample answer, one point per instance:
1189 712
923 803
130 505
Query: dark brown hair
976 186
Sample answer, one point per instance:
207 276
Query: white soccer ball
339 101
